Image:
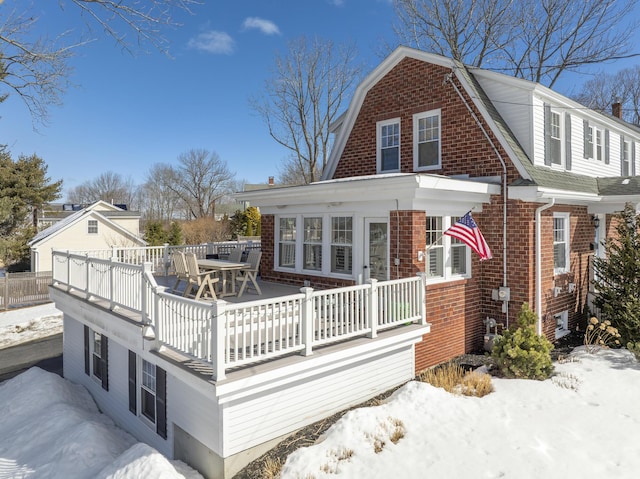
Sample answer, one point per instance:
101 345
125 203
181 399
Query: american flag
467 231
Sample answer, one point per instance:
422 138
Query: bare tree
109 186
36 66
159 202
200 180
601 92
303 97
537 40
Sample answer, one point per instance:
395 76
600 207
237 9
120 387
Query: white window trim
90 223
567 245
446 245
93 353
139 387
379 126
416 118
560 138
326 245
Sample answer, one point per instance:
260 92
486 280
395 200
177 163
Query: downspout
539 264
448 78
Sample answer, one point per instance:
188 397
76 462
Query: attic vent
625 181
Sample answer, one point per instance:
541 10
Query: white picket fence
227 335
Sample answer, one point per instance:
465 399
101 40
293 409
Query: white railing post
112 283
147 267
422 297
373 308
158 317
165 259
218 333
307 321
86 283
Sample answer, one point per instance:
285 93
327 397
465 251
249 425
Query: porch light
595 220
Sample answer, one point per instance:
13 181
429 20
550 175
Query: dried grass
454 379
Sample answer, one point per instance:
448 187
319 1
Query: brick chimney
616 109
271 181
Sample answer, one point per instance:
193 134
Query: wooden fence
24 289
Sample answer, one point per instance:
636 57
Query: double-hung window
148 391
388 145
599 151
92 227
342 244
561 246
625 158
555 147
447 257
312 246
426 140
96 356
287 243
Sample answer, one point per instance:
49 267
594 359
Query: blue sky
127 113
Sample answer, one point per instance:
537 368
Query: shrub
600 335
521 352
634 348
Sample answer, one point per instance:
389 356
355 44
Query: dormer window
388 146
555 148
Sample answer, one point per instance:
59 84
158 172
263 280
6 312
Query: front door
376 249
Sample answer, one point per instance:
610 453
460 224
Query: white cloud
213 42
265 26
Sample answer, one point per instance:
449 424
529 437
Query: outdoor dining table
226 268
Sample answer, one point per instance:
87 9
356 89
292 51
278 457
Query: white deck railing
160 256
227 335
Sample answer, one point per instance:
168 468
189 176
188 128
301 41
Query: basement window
562 324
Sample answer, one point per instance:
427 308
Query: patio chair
177 258
197 279
250 273
235 255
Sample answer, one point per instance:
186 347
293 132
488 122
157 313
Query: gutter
539 264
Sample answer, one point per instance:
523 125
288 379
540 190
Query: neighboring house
98 226
424 141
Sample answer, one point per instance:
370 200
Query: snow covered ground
584 422
52 429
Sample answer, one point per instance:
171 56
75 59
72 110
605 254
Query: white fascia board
406 190
538 194
614 204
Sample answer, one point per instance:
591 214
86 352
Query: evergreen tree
24 188
155 234
521 352
174 237
618 276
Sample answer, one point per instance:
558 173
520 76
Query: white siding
261 417
538 131
514 105
591 166
186 407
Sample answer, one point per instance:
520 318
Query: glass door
376 249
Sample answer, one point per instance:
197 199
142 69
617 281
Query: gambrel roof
531 175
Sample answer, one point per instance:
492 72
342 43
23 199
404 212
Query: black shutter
586 147
633 158
567 141
133 402
104 361
161 402
606 147
87 354
547 134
